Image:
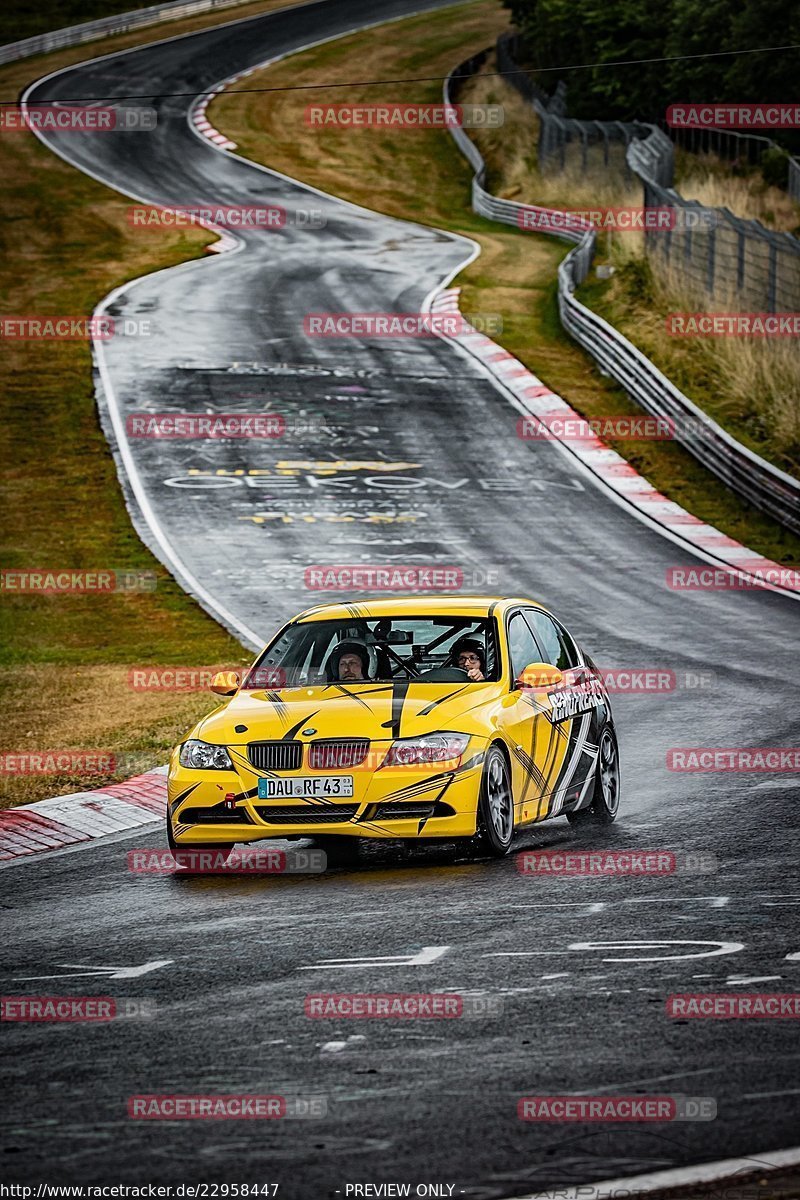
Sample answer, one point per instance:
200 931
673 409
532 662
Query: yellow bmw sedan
403 718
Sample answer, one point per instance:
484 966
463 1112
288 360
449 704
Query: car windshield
436 649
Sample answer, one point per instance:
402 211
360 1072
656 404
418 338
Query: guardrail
738 261
757 481
75 35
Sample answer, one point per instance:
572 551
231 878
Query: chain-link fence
753 478
710 252
740 148
566 142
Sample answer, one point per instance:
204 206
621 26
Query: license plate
305 787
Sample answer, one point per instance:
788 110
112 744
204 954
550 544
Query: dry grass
706 178
510 154
750 385
90 708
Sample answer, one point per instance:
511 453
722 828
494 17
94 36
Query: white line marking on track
423 957
613 1087
105 972
716 901
721 948
766 1095
678 1177
732 979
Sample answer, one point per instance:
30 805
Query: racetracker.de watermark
256 860
571 863
16 763
389 115
396 577
241 218
229 216
733 115
734 758
729 579
235 1107
66 581
573 428
402 1006
148 678
400 325
75 1009
742 1006
641 680
616 1109
74 118
625 219
733 324
72 328
175 426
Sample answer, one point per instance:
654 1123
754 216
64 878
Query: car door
537 745
577 710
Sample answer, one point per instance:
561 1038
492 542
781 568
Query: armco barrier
758 482
74 35
722 255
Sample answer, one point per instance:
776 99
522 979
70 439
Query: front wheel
495 806
605 799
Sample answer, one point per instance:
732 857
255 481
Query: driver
470 656
350 661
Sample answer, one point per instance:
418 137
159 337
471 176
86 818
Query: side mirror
225 683
539 675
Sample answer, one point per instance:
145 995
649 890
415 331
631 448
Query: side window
521 645
558 647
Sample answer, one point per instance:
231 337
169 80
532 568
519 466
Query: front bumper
395 802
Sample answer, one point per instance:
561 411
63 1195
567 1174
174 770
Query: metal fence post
710 262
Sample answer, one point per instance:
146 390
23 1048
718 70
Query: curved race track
407 1101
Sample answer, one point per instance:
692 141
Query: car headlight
205 756
430 749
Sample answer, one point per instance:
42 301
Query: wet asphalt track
412 1102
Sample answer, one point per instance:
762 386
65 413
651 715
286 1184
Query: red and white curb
83 816
204 126
539 401
199 121
198 116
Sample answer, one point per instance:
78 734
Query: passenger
470 656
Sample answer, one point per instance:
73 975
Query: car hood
372 710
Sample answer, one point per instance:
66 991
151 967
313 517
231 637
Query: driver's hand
475 674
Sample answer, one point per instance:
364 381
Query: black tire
605 797
495 806
181 851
